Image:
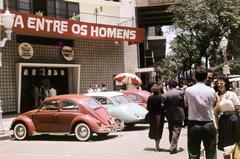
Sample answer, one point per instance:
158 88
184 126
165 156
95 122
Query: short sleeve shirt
201 100
228 101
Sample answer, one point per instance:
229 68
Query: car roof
143 92
69 96
105 94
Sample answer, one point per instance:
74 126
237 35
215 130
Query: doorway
36 79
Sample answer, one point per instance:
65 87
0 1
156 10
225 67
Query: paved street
129 144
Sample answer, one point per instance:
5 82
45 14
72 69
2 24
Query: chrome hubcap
83 131
20 131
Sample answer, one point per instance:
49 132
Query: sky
170 34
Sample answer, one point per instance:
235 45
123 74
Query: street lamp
6 20
223 46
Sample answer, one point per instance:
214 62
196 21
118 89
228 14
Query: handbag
147 117
236 152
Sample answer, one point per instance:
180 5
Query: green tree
206 22
185 52
167 68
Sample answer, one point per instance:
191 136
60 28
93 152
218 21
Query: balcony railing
104 19
141 3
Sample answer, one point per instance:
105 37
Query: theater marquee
57 27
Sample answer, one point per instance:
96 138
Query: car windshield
93 104
120 99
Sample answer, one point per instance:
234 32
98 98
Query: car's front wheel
20 131
82 132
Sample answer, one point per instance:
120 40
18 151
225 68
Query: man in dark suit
173 101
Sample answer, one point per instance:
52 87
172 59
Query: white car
121 107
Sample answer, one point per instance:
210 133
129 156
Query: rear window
93 104
121 99
134 97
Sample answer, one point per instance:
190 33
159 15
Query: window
51 8
19 5
93 104
73 9
12 5
24 6
104 101
121 99
61 7
50 105
69 105
134 97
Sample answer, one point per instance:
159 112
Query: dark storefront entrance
41 79
65 79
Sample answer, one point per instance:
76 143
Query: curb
5 135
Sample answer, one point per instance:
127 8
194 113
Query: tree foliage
202 24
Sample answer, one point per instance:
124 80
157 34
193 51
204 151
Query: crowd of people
103 88
212 115
40 93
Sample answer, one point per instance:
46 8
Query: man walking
200 100
174 102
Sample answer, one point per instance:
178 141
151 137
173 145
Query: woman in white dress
228 121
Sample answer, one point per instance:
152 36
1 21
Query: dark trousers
199 131
174 127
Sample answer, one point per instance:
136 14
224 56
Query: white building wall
125 8
1 4
130 51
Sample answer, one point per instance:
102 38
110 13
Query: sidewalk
7 120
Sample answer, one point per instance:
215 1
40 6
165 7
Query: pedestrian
97 89
36 95
201 101
104 88
228 122
52 91
90 90
156 113
173 100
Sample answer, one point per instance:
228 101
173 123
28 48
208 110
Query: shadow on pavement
153 149
47 137
136 127
163 149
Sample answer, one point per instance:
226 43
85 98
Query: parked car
65 114
138 96
121 107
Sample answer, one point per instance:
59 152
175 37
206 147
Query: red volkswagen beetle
138 96
65 114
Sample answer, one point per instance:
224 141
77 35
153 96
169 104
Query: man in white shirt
52 92
200 100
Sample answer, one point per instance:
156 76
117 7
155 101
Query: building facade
69 64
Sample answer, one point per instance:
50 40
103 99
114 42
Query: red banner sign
57 27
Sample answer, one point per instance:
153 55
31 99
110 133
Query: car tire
120 124
82 132
20 131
